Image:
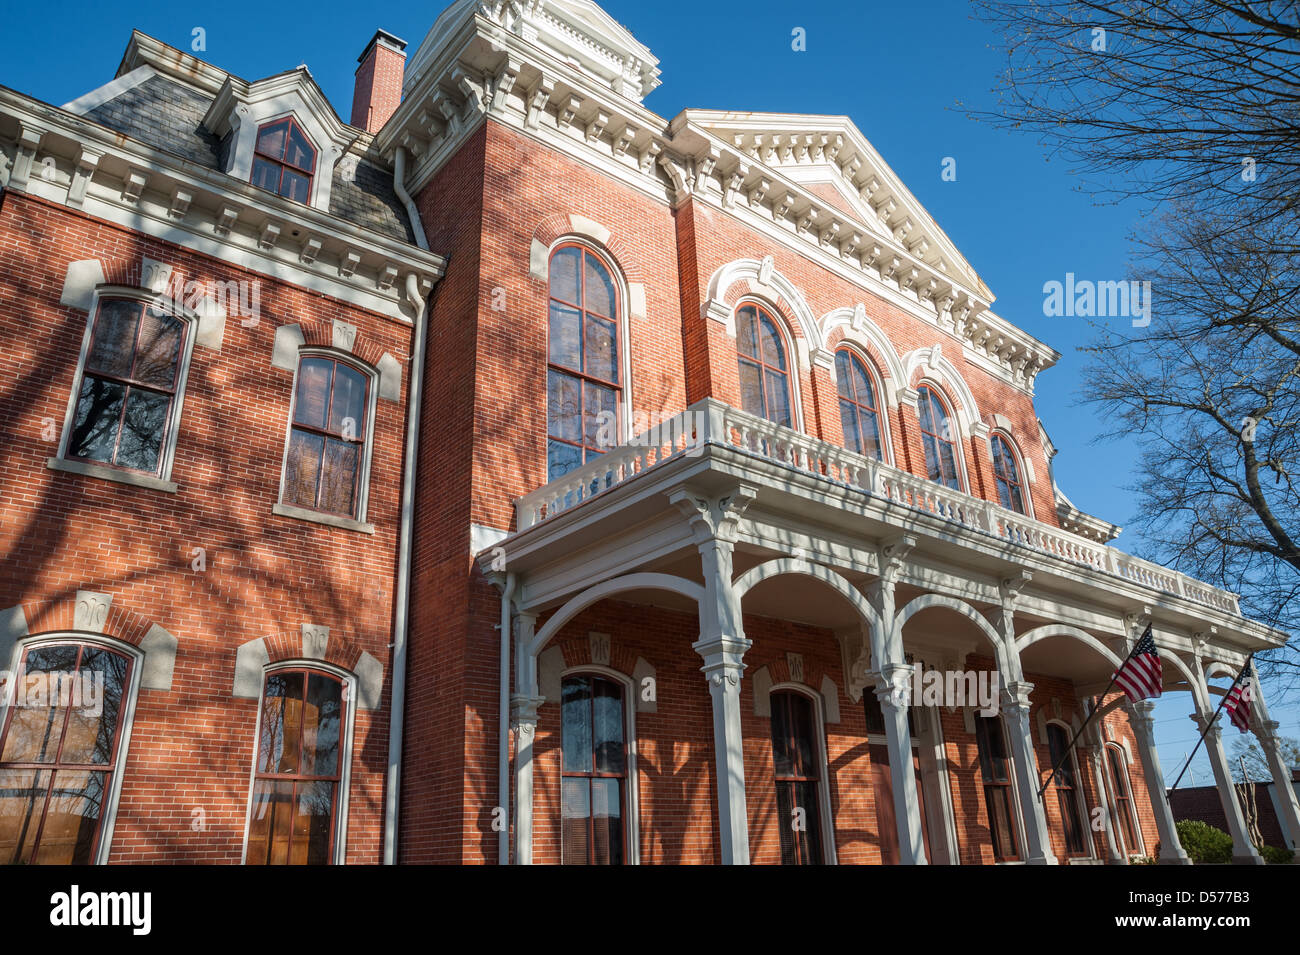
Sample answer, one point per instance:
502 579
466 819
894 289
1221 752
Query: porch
742 524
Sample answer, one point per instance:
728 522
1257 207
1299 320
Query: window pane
998 801
849 424
113 344
782 757
561 459
949 465
602 349
925 405
143 429
608 727
607 821
778 398
599 288
563 407
281 723
95 424
295 186
35 728
751 389
160 346
862 389
322 723
268 829
338 479
566 336
299 152
72 818
575 820
92 725
266 175
576 734
302 469
801 728
773 353
599 410
349 403
313 820
270 139
843 384
746 337
22 800
312 400
564 275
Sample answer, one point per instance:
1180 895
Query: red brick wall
191 747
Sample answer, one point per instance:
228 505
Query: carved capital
714 518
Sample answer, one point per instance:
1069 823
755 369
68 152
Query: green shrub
1275 856
1203 843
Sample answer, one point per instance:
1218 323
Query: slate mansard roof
168 114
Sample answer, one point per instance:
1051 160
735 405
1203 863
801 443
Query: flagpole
1095 710
1210 723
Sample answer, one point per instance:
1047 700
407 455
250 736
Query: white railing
711 422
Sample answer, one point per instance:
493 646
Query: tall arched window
593 794
859 412
1066 784
583 387
1006 473
995 773
130 387
764 377
301 751
796 758
324 462
1124 814
938 439
284 160
60 752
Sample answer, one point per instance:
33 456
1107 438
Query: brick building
514 475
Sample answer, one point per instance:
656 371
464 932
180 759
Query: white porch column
1140 718
1284 797
1096 753
1243 852
1020 734
722 646
893 690
523 721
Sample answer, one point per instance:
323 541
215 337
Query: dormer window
284 160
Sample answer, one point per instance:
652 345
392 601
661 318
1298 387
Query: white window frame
959 436
829 849
1125 850
629 722
243 163
1080 802
345 776
878 389
791 345
1019 459
356 521
131 693
167 453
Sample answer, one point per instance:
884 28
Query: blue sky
898 72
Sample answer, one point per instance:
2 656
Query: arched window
326 454
764 378
796 758
594 776
129 389
859 412
583 388
937 437
1124 814
301 753
1066 784
60 752
1011 492
284 160
995 773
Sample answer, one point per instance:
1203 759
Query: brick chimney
378 92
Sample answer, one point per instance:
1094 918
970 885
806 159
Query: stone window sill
90 469
316 517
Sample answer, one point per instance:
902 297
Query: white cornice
169 61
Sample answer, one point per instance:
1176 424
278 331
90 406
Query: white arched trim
764 275
607 588
861 331
1061 630
790 565
929 601
1217 668
931 364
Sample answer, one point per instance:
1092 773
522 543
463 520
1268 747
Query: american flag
1238 703
1139 677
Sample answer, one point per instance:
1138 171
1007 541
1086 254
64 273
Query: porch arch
930 601
608 588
